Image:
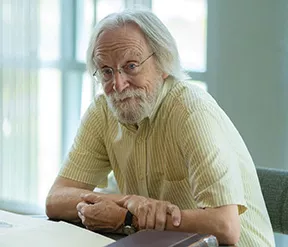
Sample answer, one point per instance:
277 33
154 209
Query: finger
161 217
175 213
82 195
91 198
85 221
142 216
86 215
123 202
82 217
150 218
80 205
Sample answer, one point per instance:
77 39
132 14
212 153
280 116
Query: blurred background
236 50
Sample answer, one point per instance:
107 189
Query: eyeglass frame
120 70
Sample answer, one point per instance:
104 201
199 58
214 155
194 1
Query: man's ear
164 76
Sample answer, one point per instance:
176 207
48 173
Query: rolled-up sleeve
212 160
87 160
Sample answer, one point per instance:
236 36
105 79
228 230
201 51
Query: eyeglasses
107 74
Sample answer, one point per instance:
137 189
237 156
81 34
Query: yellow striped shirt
187 152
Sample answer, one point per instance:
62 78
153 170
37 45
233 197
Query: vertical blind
44 90
18 104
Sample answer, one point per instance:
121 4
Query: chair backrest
274 184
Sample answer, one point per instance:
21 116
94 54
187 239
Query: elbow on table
50 208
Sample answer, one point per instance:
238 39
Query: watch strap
128 219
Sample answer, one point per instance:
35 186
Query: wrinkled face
128 72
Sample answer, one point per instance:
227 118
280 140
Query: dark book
165 239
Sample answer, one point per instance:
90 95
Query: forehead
120 42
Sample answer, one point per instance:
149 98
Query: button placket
142 159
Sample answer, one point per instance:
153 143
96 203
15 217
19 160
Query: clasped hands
99 213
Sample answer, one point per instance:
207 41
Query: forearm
207 221
61 202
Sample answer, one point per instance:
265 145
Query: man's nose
120 81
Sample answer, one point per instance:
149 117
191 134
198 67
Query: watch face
129 230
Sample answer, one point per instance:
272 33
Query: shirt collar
167 85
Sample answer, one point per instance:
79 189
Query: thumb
123 201
90 198
175 212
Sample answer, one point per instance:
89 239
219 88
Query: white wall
247 73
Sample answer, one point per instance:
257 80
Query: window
19 101
49 30
49 129
85 23
187 22
104 8
44 89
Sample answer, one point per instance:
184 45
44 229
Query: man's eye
107 71
107 74
131 66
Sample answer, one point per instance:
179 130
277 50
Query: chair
274 184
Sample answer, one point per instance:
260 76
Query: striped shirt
187 152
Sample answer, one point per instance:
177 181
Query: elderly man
179 162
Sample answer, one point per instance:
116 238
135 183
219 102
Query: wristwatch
128 228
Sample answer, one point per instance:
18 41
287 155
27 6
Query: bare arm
65 195
222 222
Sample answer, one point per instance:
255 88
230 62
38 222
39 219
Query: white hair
157 35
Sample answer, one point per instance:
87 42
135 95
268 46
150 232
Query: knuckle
166 203
135 197
172 206
142 208
129 197
160 203
83 211
149 205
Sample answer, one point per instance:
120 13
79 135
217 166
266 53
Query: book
166 239
27 231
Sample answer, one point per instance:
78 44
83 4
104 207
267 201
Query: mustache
128 94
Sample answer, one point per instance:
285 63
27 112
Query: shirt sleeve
213 163
88 160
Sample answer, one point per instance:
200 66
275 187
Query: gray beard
128 112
